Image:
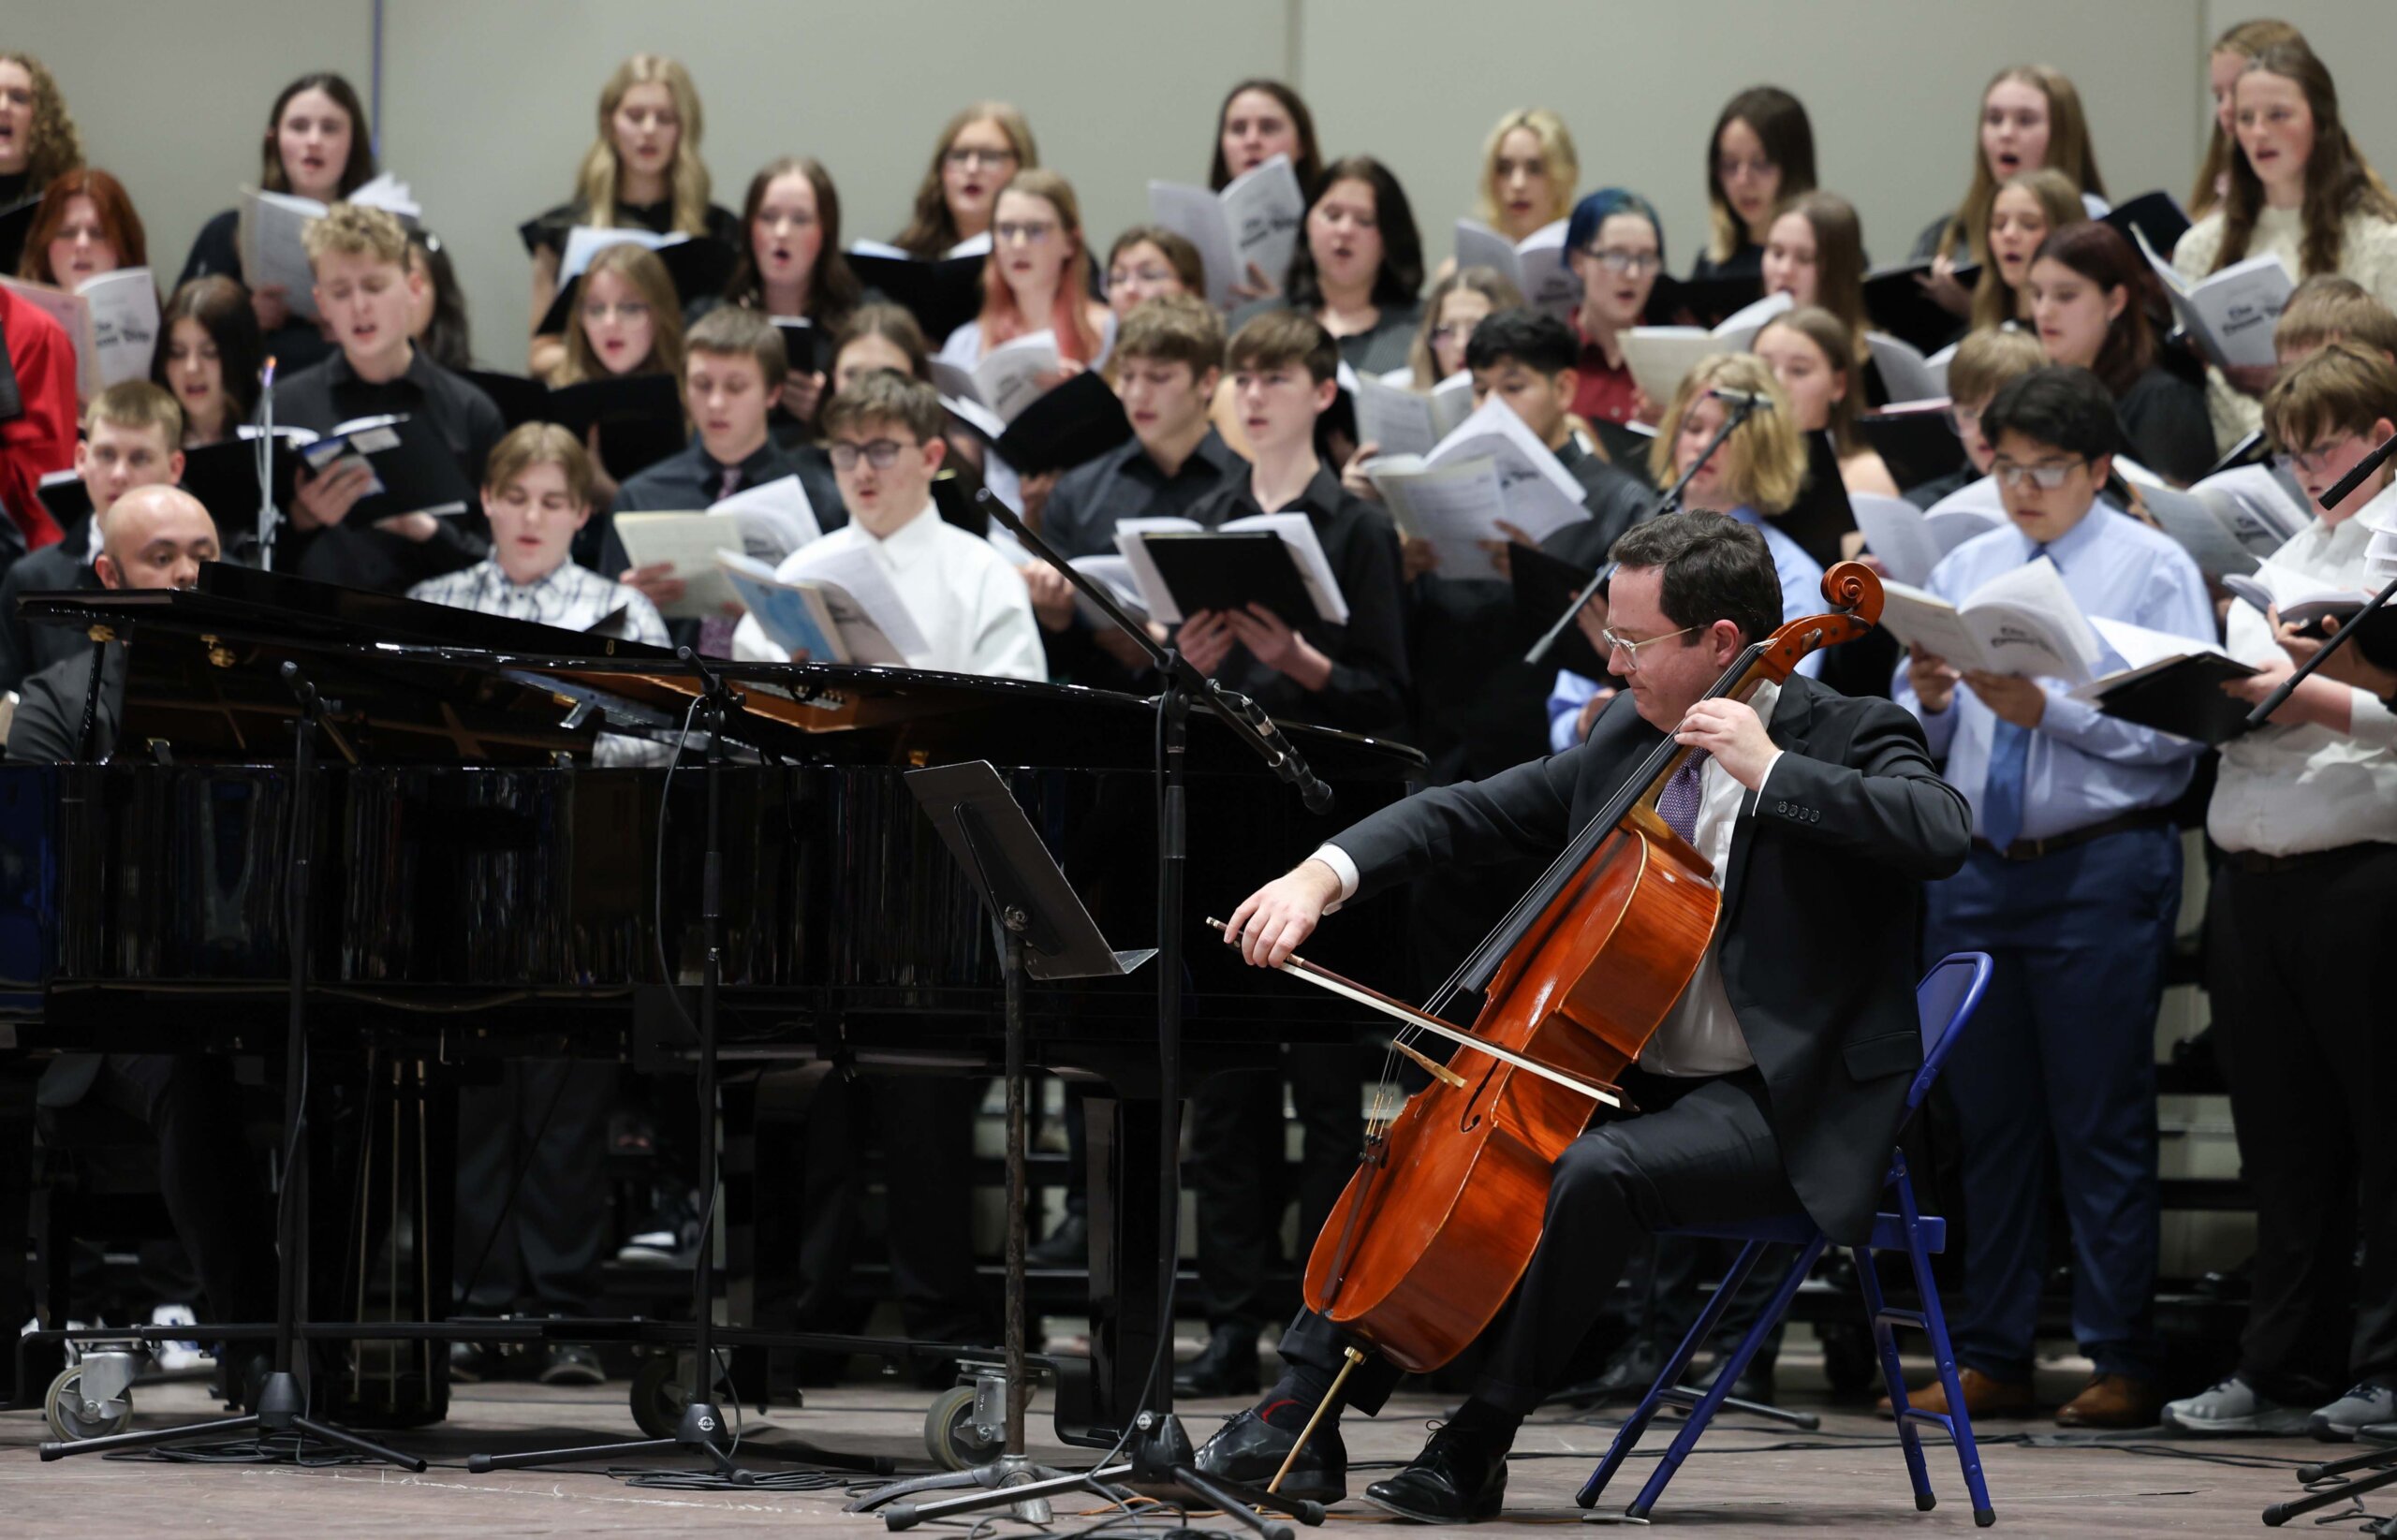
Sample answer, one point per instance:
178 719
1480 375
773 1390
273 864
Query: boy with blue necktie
2072 887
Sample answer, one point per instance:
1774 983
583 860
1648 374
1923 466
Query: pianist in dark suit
157 537
1775 1083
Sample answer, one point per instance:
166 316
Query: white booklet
111 319
2024 621
765 523
2211 526
270 235
1254 222
1660 357
1293 530
2300 599
1492 467
2231 313
863 600
1910 542
1405 421
1008 380
585 241
1114 574
2266 506
1906 374
1980 496
814 615
1535 265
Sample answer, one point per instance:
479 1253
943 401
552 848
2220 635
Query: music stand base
278 1411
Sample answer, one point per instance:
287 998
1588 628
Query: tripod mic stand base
699 1429
280 1411
1166 1467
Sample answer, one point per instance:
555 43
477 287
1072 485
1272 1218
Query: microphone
265 462
1285 762
2354 478
1754 400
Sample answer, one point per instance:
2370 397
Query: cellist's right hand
1270 923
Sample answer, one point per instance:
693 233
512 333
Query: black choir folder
942 294
1545 587
701 267
1268 558
640 417
413 470
1079 419
2172 683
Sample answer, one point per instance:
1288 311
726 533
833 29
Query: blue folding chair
1945 1000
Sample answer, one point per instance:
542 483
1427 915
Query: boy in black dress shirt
1349 676
365 292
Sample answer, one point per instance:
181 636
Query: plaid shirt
571 597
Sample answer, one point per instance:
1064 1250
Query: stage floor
1847 1479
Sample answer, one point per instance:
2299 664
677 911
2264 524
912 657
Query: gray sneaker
2234 1407
2351 1414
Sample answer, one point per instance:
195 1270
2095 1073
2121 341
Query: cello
1444 1211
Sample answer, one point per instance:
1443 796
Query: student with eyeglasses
1759 157
1985 362
981 150
2072 887
1615 245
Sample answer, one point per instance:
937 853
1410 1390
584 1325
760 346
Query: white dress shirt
2287 790
972 607
1700 1034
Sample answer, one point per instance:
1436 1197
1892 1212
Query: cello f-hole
1469 1120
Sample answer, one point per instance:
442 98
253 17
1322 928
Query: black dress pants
215 1196
1703 1153
2308 1042
1239 1178
533 1188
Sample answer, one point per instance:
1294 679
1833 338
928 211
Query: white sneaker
176 1357
2234 1407
2351 1414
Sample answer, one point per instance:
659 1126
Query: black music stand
1044 932
281 1406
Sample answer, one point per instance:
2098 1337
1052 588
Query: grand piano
481 889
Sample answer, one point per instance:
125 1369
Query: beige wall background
486 108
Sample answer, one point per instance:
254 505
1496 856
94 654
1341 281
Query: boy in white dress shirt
884 433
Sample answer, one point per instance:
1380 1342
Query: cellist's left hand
1731 731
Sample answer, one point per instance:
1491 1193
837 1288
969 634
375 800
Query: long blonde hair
595 184
1556 153
1994 301
2068 152
1764 459
2246 39
931 230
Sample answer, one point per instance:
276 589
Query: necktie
1677 804
715 631
2009 761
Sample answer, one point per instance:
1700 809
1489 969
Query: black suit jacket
49 722
1817 923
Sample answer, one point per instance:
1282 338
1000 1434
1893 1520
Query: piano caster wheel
662 1387
955 1437
73 1416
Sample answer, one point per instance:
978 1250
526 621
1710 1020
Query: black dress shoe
1625 1377
1455 1480
1226 1367
1250 1451
1066 1246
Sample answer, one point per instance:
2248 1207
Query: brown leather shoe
2112 1400
1984 1396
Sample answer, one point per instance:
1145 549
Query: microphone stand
1163 1460
1743 408
2337 495
269 516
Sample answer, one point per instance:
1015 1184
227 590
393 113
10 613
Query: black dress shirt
546 231
329 394
1367 690
1091 499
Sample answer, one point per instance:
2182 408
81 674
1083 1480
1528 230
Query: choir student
363 290
2030 119
2305 813
85 226
1457 302
1808 351
883 434
1528 170
1167 359
2090 296
1358 270
2327 308
980 152
1760 156
2072 887
643 171
1037 278
2301 190
1984 362
792 266
2025 212
132 437
437 309
209 356
1261 119
38 143
316 146
1148 262
2238 45
625 321
1615 247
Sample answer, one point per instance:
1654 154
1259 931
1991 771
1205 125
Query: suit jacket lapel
1793 715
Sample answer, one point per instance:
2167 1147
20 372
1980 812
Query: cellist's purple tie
1677 804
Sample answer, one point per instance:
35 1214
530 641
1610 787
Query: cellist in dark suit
1776 1080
